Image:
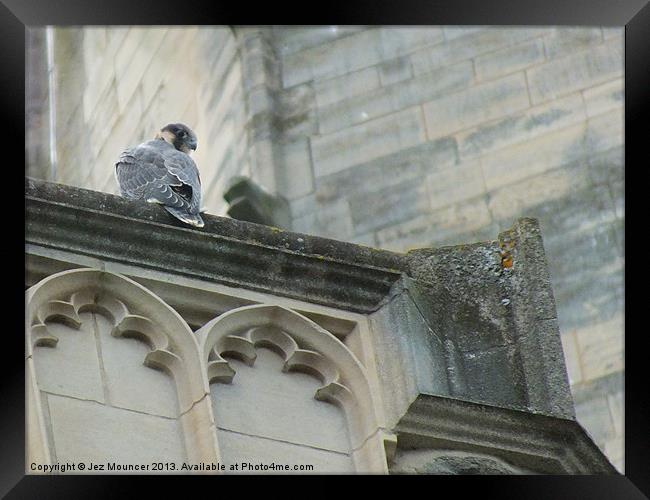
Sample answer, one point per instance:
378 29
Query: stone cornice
540 442
226 251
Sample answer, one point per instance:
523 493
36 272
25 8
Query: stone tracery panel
275 412
88 335
261 345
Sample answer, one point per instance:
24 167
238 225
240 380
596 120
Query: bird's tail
184 216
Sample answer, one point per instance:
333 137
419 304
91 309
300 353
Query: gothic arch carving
307 347
133 311
196 359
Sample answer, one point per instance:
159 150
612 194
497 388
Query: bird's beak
192 145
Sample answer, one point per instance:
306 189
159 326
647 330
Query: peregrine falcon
161 171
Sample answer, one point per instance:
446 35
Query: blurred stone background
395 137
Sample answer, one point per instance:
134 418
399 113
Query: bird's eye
181 133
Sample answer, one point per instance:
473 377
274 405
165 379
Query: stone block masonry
532 119
117 86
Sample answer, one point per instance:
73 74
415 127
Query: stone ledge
532 441
226 251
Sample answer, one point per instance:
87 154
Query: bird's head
180 136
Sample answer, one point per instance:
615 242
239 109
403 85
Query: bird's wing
142 173
181 166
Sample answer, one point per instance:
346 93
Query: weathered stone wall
37 104
433 136
117 86
391 137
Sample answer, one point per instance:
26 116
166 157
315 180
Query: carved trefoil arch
303 347
72 317
99 406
